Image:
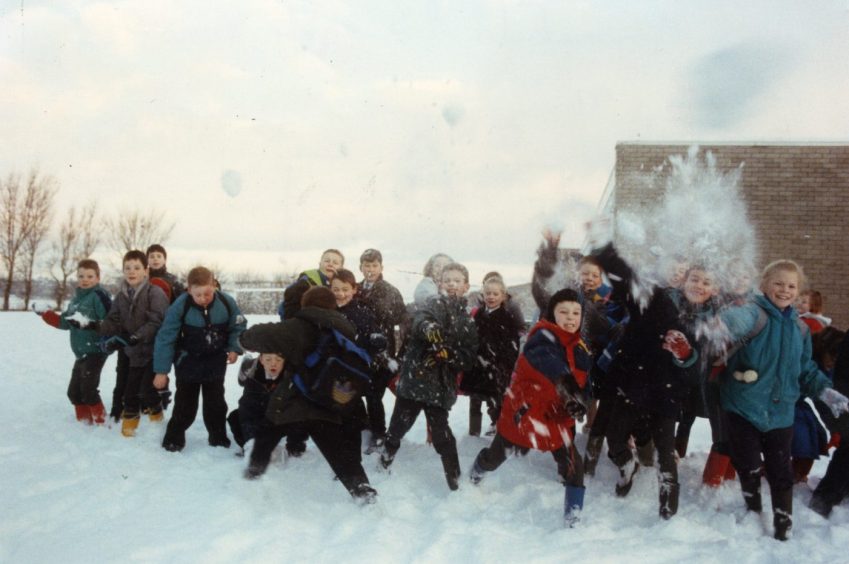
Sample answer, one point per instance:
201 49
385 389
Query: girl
809 307
544 397
498 348
432 272
760 387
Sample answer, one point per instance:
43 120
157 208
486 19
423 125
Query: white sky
413 127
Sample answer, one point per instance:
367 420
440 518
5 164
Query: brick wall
797 197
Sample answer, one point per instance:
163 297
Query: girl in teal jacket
764 378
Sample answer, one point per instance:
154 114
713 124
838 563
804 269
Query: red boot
98 413
730 473
715 469
83 413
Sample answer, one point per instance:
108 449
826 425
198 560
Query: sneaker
626 477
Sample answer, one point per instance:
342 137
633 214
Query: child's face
782 288
342 291
87 278
590 277
699 287
438 265
273 364
567 316
453 284
371 269
134 272
493 296
202 295
803 304
156 260
675 274
329 264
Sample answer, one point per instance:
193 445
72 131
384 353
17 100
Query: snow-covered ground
71 493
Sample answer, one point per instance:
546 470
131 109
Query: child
498 349
428 286
88 307
200 335
331 261
260 377
442 342
387 305
654 371
544 397
761 384
554 269
344 288
337 434
131 325
809 307
157 258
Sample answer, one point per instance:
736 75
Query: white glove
836 402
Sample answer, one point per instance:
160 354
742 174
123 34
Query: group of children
636 365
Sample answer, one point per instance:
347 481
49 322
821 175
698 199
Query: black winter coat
498 349
254 401
387 304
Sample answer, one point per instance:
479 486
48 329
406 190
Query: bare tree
24 220
79 235
130 230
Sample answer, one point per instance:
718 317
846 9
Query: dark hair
319 296
564 295
427 271
200 276
135 254
157 248
826 343
346 276
89 264
456 266
371 255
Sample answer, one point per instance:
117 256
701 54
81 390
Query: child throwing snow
761 384
443 342
543 398
200 335
86 309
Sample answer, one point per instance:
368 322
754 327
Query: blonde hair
781 265
495 281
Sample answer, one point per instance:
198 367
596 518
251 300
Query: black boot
364 494
782 513
752 493
626 477
669 499
592 455
451 465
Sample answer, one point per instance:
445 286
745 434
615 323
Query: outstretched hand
676 343
551 237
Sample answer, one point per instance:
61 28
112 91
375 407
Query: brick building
797 197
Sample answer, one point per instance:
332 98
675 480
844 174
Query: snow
73 493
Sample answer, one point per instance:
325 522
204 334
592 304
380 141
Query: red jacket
533 415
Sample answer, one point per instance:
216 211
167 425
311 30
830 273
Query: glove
112 344
576 409
377 342
676 343
51 318
836 402
436 357
433 333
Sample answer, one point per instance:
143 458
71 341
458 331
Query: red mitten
51 318
676 343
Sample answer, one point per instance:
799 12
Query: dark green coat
437 384
93 304
294 339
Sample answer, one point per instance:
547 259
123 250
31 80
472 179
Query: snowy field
71 493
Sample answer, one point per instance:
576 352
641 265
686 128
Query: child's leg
491 457
444 443
475 416
340 446
834 486
74 392
268 436
374 405
663 435
571 468
89 380
215 412
745 443
183 415
403 416
779 475
121 374
619 429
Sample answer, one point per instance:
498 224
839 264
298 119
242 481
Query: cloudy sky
270 130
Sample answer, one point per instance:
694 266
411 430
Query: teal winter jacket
780 354
92 304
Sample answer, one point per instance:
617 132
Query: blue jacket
780 354
201 332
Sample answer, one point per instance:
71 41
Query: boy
86 309
170 284
543 398
260 377
443 341
331 261
200 335
385 301
131 325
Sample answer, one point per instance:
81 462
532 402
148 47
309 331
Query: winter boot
155 414
83 413
386 458
645 454
782 513
716 467
730 473
375 443
477 473
752 494
669 499
364 494
574 505
255 470
475 417
626 477
451 465
592 454
98 413
219 440
115 412
129 424
296 449
681 445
